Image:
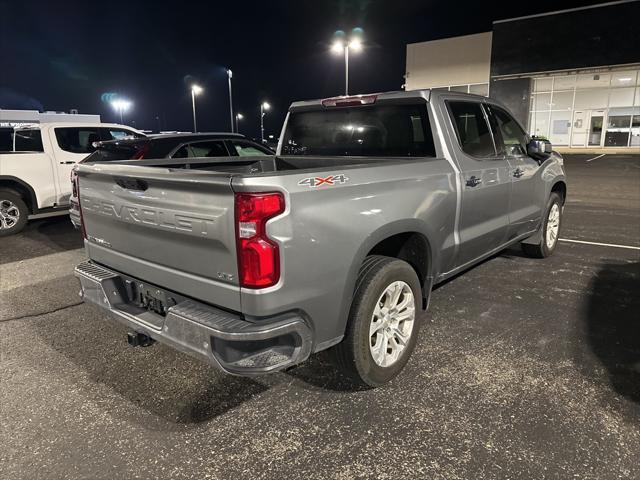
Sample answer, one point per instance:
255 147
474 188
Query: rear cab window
381 130
470 123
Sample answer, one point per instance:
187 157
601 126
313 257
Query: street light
121 105
339 47
239 116
230 74
264 108
195 90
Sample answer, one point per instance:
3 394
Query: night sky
59 55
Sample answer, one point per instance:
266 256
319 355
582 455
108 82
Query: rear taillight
76 186
139 155
258 255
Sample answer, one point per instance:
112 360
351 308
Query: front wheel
550 230
383 326
13 213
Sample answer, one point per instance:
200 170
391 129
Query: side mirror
539 148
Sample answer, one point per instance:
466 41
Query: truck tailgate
172 228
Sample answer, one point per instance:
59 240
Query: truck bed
258 165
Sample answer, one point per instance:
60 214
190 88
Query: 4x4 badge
319 181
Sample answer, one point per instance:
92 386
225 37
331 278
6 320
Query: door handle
473 181
518 172
67 163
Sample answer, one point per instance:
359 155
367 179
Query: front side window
28 141
77 139
372 130
245 149
471 127
514 139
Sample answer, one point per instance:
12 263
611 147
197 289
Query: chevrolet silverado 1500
253 264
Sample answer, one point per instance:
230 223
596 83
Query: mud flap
536 238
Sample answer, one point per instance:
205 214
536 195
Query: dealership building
572 76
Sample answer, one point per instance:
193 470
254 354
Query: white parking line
629 247
595 158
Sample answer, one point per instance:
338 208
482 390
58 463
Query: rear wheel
550 230
383 326
13 213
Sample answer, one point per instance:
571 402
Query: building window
591 109
479 89
635 129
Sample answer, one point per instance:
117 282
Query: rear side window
77 139
372 130
116 133
208 149
28 141
245 149
471 128
110 155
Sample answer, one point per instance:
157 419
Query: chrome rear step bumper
226 340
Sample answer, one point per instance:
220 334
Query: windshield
375 130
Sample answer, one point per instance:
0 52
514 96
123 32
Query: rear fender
401 226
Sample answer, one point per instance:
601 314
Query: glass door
596 124
580 128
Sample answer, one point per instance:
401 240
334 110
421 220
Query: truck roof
196 135
74 124
364 99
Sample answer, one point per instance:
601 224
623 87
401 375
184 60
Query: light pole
340 47
239 116
121 106
230 74
195 90
264 108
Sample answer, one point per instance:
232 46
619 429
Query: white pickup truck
34 175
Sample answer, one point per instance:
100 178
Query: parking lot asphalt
524 369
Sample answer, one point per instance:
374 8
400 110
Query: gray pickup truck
253 264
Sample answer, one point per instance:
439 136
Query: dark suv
180 145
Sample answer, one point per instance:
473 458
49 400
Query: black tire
8 227
353 355
541 249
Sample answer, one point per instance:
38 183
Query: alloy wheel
392 323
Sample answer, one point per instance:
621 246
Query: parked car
180 145
336 242
34 175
